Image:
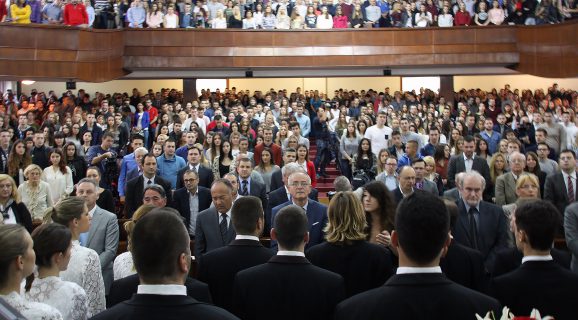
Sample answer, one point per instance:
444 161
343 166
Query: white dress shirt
290 253
410 270
162 289
537 258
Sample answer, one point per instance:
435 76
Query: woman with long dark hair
18 160
267 167
364 160
76 164
533 166
442 158
308 165
379 209
59 176
222 162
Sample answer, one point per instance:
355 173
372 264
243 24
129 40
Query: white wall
515 81
106 87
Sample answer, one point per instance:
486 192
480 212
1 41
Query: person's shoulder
207 212
279 207
106 213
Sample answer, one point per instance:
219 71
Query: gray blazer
453 193
571 230
208 234
103 238
431 187
506 189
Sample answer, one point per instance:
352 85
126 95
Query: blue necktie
83 238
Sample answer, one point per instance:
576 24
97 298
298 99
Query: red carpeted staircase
324 185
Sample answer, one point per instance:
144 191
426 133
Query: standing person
206 176
348 145
191 200
305 163
467 162
505 190
129 163
320 290
247 184
17 260
268 143
389 175
76 163
556 133
20 12
323 136
169 163
162 291
419 289
135 187
379 134
35 193
560 188
75 14
84 267
18 160
52 246
102 155
59 176
91 126
40 153
266 168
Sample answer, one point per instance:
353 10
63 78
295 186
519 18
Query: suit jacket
417 296
22 215
397 195
317 218
181 202
169 307
287 287
134 173
103 238
205 177
492 230
571 233
508 260
362 265
123 289
505 189
465 266
135 190
543 285
430 186
457 165
219 267
453 194
276 180
277 197
258 190
208 234
555 191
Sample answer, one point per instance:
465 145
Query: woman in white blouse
58 176
324 20
17 262
445 19
52 245
123 264
34 193
171 19
283 20
249 22
84 267
219 22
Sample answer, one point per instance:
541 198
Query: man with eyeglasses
299 184
191 199
481 225
389 176
506 183
547 165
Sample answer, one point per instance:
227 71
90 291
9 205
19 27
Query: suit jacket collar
533 265
289 260
245 243
160 300
418 279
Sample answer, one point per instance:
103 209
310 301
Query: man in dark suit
419 290
467 162
162 258
510 259
299 188
406 182
540 282
213 229
288 286
422 183
219 267
123 289
193 163
191 199
281 195
481 225
135 187
289 156
557 188
249 186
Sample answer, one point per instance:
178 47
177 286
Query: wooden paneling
52 52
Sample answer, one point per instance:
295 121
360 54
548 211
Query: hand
384 238
108 155
122 199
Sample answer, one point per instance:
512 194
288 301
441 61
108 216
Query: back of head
157 241
245 214
422 224
341 183
49 239
346 218
65 210
540 220
12 245
290 227
138 214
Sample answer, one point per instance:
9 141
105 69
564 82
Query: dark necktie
223 226
244 191
473 227
195 169
570 190
149 182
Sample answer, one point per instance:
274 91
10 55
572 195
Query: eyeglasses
300 184
6 186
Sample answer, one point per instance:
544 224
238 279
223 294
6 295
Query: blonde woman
35 193
123 264
283 20
236 20
219 22
363 265
297 21
171 19
12 209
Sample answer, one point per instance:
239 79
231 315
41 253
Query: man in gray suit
454 193
420 182
571 231
103 234
506 183
213 229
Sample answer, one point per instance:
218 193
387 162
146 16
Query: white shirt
468 162
67 297
162 289
290 253
243 237
411 270
146 180
537 258
228 217
378 137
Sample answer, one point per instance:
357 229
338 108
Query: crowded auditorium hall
288 159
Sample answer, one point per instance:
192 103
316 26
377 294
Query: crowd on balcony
285 14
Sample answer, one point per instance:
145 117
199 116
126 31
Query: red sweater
462 18
275 149
75 15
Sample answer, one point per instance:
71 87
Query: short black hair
422 223
157 241
245 213
540 220
136 137
291 226
568 151
148 155
469 139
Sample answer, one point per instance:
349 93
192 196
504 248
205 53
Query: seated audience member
362 265
219 267
299 188
191 199
286 274
162 292
52 245
419 290
461 264
16 263
539 282
213 227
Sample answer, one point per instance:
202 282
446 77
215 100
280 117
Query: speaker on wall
387 72
248 74
70 85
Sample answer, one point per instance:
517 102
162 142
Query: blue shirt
168 168
493 140
304 124
404 160
128 164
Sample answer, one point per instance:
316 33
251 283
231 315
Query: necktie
473 228
223 226
244 191
149 182
195 169
570 190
